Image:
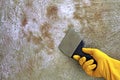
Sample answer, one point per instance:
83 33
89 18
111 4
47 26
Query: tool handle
79 52
88 57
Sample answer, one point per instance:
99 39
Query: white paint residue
76 24
15 32
87 2
66 9
57 31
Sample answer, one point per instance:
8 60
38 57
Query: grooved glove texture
106 67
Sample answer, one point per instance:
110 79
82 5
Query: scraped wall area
31 30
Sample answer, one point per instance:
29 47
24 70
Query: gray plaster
31 30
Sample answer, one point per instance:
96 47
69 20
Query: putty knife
72 44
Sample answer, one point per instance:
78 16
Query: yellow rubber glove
107 67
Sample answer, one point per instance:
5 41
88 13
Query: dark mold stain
98 15
30 37
1 56
24 20
34 19
36 40
45 28
37 50
29 3
52 12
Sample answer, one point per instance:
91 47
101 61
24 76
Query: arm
107 67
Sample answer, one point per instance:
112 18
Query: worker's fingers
82 60
93 52
76 57
89 69
91 72
88 50
88 63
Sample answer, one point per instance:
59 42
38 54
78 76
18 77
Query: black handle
79 52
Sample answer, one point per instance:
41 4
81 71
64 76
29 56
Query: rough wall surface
31 30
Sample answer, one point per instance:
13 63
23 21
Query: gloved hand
107 67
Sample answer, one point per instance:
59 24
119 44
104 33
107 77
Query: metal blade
70 42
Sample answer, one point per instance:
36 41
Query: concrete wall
31 30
